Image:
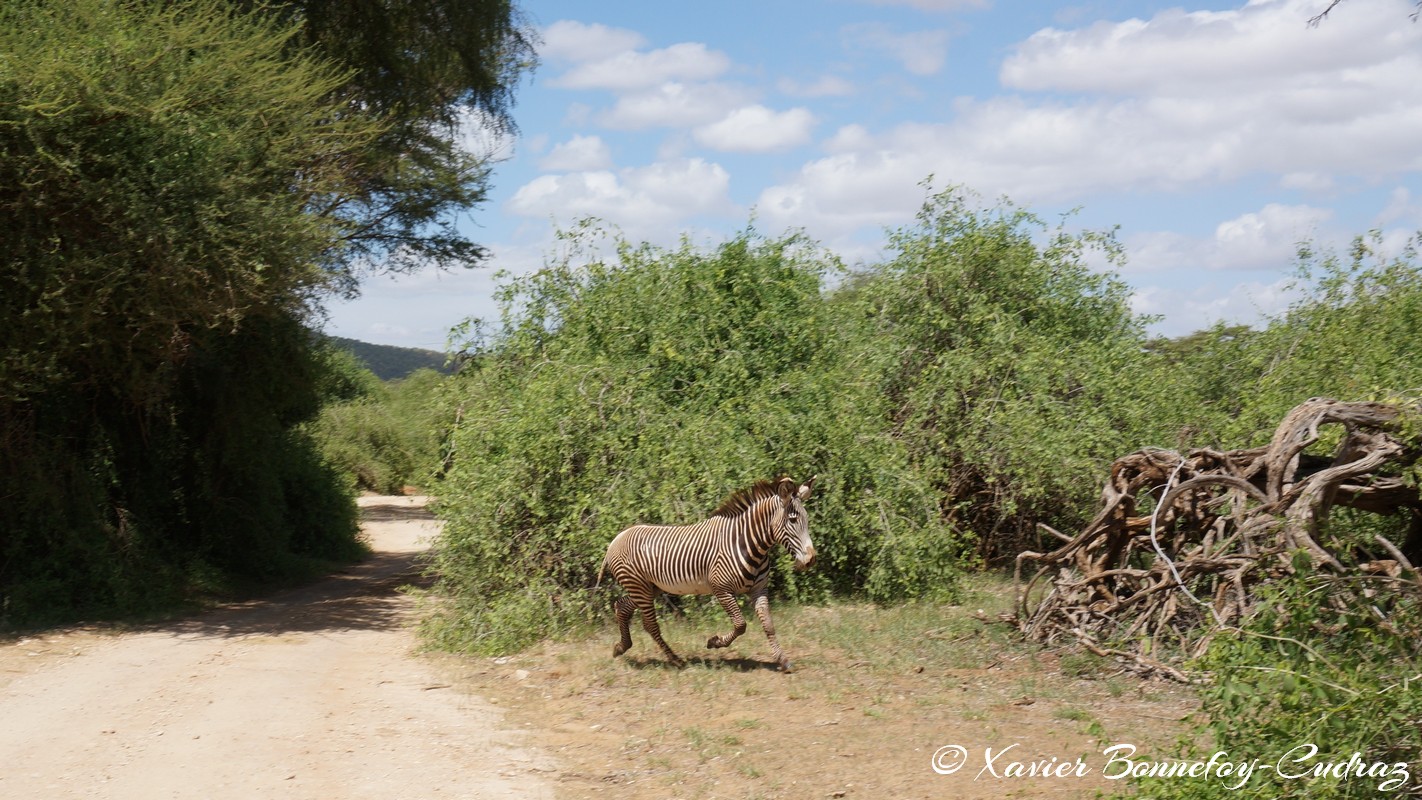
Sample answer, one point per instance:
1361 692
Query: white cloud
920 52
1250 89
673 105
1263 44
569 40
644 201
1180 101
385 330
824 86
578 153
844 192
1203 305
1401 207
1306 181
757 129
418 309
1267 239
478 135
629 70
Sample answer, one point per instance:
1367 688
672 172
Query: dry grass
875 694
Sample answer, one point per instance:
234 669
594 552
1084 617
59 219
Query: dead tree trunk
1182 541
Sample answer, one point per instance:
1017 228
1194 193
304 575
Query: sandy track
312 693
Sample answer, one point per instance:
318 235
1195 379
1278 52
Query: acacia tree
432 70
156 184
180 186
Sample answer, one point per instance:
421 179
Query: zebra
726 555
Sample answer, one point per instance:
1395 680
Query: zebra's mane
739 502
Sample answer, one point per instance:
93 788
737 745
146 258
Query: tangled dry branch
1152 588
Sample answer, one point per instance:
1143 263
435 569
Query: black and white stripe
725 555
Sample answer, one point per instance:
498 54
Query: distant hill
389 363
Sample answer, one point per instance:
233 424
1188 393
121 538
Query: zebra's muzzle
806 561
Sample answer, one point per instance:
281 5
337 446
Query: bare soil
875 695
311 693
319 693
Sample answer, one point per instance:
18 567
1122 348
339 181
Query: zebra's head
795 527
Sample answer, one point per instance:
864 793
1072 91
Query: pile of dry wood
1181 542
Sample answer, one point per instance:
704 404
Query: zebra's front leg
738 620
762 610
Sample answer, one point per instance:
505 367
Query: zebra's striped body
725 555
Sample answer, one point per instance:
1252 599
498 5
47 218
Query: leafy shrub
156 208
1327 662
1351 334
1014 371
389 435
646 389
976 383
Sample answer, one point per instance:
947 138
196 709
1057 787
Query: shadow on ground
365 596
390 512
702 662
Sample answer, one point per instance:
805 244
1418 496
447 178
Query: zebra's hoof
618 649
678 663
715 641
786 666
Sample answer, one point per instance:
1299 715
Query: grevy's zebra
725 555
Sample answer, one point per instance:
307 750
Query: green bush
390 435
160 165
1351 335
976 383
1331 661
1014 372
169 157
646 389
1334 663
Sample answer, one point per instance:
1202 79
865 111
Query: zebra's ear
784 487
805 487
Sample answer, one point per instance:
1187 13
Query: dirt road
313 693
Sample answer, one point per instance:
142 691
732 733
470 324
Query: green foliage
118 150
646 389
160 170
978 382
1014 372
1329 662
180 182
116 511
347 377
389 436
1209 366
1326 661
440 74
263 499
1351 334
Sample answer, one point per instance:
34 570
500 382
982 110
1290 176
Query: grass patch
876 691
1074 714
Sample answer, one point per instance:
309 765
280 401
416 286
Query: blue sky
1217 135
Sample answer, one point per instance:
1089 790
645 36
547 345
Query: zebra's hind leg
738 620
623 608
649 623
762 610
